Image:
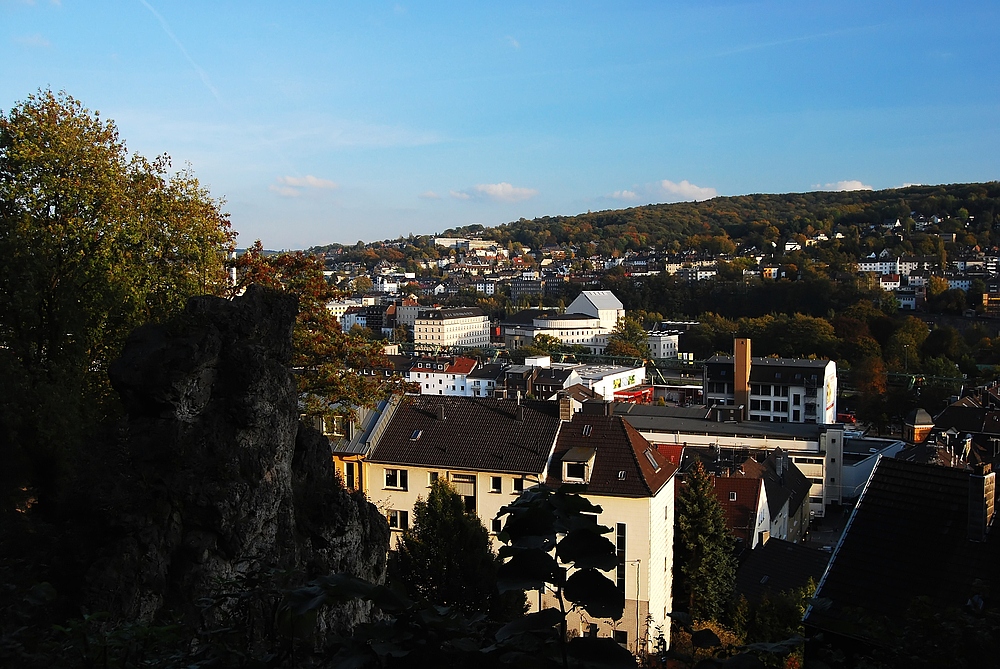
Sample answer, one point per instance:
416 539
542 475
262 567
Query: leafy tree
447 560
94 243
628 340
705 569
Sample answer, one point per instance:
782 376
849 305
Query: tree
94 243
628 340
705 569
325 358
447 560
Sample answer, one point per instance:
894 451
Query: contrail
170 33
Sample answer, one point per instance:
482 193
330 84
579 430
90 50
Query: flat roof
651 418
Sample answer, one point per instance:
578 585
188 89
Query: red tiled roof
741 513
461 365
673 452
625 464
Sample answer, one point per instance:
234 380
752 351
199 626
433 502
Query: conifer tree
704 567
446 558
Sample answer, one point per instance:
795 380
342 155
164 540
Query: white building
634 486
443 376
339 307
663 343
435 329
602 304
606 380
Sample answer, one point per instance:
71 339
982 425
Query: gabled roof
625 465
481 434
602 299
493 371
741 513
778 566
907 538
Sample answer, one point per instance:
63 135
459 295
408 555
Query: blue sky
329 122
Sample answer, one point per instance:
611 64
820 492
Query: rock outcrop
222 485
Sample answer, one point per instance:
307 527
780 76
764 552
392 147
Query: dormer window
577 464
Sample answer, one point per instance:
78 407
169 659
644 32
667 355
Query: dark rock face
223 482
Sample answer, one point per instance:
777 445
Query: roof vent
440 411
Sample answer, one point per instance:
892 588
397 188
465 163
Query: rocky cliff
219 488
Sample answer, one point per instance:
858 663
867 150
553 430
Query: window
349 475
796 399
399 520
432 477
732 496
395 478
496 525
620 550
621 637
576 470
519 485
496 483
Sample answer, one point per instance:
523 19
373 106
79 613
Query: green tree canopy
628 340
704 568
94 242
446 558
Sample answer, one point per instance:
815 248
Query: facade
572 329
634 486
434 329
663 343
443 375
778 390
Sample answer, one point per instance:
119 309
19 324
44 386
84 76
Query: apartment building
435 329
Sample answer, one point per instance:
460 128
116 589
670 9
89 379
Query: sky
322 122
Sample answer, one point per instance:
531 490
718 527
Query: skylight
586 430
416 435
652 460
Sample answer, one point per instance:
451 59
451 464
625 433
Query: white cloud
35 40
284 191
308 181
429 195
850 184
685 190
292 186
907 185
459 195
504 192
624 195
513 42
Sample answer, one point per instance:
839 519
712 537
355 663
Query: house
601 304
918 539
634 486
442 375
485 379
489 449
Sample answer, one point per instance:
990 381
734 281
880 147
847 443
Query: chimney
741 374
565 407
440 411
982 496
519 413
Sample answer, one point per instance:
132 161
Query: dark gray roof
778 566
443 314
907 538
482 434
493 371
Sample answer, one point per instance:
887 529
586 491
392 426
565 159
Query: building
606 380
816 449
778 390
634 486
445 375
436 329
918 540
663 344
489 449
485 379
601 304
571 329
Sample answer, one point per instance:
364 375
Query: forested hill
749 220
